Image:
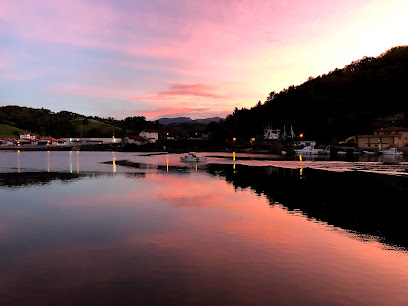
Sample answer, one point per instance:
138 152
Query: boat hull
193 160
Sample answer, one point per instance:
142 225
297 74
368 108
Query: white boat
270 134
391 151
309 150
192 158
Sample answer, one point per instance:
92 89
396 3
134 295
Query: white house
28 136
150 135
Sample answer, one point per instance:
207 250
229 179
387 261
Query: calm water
150 230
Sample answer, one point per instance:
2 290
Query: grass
101 127
6 131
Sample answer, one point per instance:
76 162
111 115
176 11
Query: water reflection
33 178
113 162
184 235
18 161
48 161
77 162
365 203
70 162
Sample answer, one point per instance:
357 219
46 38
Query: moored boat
192 157
308 150
391 151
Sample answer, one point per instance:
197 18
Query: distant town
385 140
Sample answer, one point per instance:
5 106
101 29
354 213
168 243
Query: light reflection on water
109 234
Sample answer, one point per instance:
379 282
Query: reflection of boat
192 157
370 152
325 151
391 151
309 150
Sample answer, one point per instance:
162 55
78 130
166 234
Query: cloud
189 90
199 90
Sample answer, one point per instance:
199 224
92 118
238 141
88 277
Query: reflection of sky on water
184 235
168 236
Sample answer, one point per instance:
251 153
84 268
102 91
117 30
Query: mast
292 134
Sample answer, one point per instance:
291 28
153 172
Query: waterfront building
6 141
384 138
49 141
94 140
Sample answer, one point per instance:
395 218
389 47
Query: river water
109 228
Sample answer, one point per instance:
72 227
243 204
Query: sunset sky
170 58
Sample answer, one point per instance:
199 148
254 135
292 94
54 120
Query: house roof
51 139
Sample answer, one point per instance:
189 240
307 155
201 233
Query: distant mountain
166 121
208 120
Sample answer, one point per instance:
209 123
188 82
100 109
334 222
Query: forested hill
44 122
344 102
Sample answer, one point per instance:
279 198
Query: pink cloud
190 90
201 90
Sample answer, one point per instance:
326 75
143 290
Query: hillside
44 122
94 128
344 102
7 131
